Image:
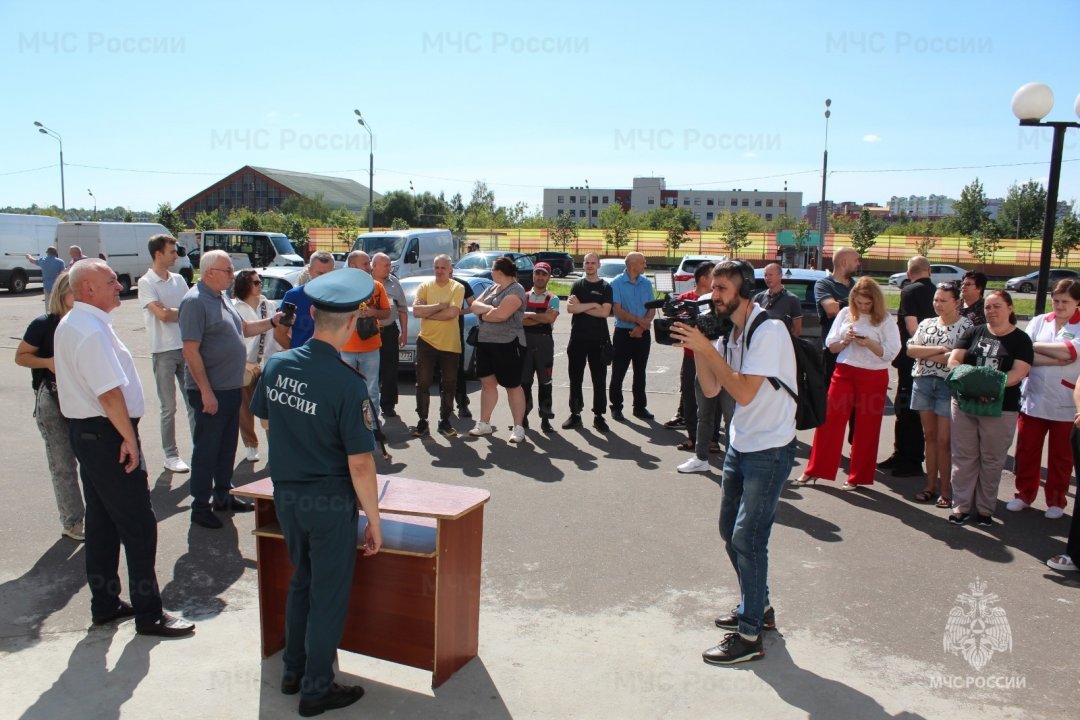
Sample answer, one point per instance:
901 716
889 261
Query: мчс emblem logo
976 629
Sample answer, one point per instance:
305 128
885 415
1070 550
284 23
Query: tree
984 242
347 224
564 232
1023 211
781 223
844 224
737 229
926 241
208 220
306 206
970 209
676 234
399 224
169 218
866 229
1066 235
616 224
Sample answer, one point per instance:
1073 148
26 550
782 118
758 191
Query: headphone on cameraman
746 270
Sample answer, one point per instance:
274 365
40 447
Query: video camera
695 313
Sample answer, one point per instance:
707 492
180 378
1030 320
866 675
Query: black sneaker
675 422
421 429
890 462
616 414
734 648
338 696
643 414
984 520
572 422
600 424
463 412
731 620
959 518
447 429
545 426
389 413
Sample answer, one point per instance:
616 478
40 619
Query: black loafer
122 612
644 414
339 696
234 504
617 415
290 682
205 518
167 626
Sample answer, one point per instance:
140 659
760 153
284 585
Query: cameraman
760 453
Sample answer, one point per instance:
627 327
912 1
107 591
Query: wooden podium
417 602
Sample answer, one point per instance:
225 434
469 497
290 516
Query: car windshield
611 270
475 262
274 288
282 244
392 245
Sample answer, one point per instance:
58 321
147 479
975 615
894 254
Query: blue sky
156 101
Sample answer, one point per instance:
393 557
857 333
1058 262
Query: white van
252 249
122 245
22 235
412 252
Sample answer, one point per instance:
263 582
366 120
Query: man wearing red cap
541 310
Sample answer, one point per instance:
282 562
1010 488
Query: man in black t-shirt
589 305
831 295
916 305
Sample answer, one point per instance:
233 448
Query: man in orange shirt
362 353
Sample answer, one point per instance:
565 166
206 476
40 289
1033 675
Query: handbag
249 368
367 328
474 336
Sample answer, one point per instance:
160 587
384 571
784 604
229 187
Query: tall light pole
91 194
588 200
823 221
371 171
53 134
1030 104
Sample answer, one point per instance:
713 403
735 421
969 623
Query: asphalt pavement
602 574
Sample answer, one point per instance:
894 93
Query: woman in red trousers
866 340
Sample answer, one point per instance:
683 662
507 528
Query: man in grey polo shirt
160 294
778 302
215 354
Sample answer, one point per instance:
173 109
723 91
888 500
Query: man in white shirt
761 451
102 397
160 293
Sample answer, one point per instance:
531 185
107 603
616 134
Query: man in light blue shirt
51 266
631 341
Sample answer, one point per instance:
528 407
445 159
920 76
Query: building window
573 199
594 198
594 213
560 199
686 201
768 203
652 201
720 203
757 203
605 199
581 213
745 202
697 201
768 216
709 202
708 216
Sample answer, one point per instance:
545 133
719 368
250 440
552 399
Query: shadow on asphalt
47 587
210 566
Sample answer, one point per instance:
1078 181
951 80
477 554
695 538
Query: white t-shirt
887 334
1047 392
768 421
90 361
163 336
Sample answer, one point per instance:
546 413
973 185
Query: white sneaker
694 465
481 428
252 454
75 532
1063 563
518 435
1054 513
1016 505
176 465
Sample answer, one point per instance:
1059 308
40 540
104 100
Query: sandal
685 445
926 496
944 502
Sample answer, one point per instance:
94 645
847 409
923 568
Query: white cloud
871 138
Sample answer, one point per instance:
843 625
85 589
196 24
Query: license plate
406 356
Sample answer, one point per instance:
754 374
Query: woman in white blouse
865 339
252 305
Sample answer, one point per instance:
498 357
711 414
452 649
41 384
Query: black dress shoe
890 462
205 518
600 424
463 412
616 414
290 682
389 413
234 504
907 471
644 414
123 611
339 696
545 426
572 422
167 626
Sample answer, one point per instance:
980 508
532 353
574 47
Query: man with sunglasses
214 350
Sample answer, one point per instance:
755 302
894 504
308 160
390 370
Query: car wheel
905 283
558 272
125 284
1026 287
17 282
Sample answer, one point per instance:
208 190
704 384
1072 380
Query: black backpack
811 398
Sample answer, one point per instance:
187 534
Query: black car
562 264
478 264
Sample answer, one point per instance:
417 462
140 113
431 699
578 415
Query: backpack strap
777 383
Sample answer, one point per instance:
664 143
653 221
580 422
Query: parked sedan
478 264
278 280
1028 283
407 354
938 274
683 277
610 268
562 264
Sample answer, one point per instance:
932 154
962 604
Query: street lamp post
588 200
823 220
1030 104
371 171
53 134
91 194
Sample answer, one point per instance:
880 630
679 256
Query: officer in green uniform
321 440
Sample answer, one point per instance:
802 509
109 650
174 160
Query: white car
278 280
938 274
610 268
683 277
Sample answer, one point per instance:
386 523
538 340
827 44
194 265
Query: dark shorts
503 360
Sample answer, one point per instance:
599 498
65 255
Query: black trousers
909 445
118 511
579 352
629 351
388 367
213 451
427 357
1072 549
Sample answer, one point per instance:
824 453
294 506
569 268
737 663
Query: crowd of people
967 376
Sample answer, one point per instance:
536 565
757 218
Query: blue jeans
367 364
751 490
